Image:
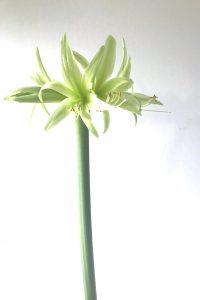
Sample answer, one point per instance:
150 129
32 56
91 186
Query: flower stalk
86 245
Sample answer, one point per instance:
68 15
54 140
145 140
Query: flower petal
58 87
81 59
72 74
32 112
131 103
59 114
127 69
124 60
106 119
23 91
91 70
146 100
113 84
30 95
38 78
41 66
30 98
85 116
107 64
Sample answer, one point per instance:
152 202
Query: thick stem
85 210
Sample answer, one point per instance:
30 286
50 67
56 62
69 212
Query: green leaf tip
84 81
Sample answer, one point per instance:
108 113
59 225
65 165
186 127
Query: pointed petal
48 96
23 91
71 70
59 114
156 102
64 65
42 103
131 103
106 119
107 64
127 69
146 100
85 116
45 108
124 61
113 84
38 78
31 114
91 70
51 96
58 87
30 98
81 59
41 66
126 86
136 118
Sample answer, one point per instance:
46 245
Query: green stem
85 211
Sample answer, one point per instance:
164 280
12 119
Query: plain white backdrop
145 179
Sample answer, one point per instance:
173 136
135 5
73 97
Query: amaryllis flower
86 86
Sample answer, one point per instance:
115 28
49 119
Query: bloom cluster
84 85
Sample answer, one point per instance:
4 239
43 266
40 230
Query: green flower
86 86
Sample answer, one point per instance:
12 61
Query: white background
145 180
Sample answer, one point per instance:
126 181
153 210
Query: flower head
86 86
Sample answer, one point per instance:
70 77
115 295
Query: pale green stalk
85 210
